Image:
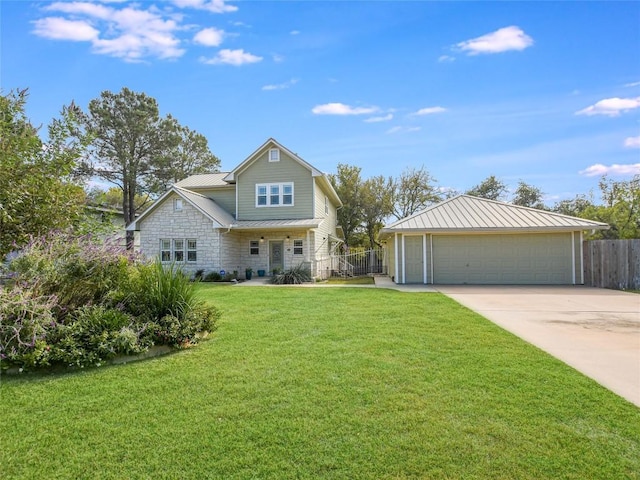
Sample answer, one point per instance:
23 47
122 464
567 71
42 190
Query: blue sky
545 92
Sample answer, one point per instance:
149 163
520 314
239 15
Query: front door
275 255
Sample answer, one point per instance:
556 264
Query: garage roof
465 213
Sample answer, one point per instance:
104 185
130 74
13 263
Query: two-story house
273 211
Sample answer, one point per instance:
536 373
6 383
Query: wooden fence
612 263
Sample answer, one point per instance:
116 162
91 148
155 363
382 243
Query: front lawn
340 383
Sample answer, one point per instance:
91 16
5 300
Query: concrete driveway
594 330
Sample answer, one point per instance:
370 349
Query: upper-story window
177 204
274 155
274 194
326 205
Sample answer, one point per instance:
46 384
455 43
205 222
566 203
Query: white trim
573 258
424 259
404 264
281 194
397 262
581 259
431 258
275 158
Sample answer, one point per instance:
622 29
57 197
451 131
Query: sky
543 92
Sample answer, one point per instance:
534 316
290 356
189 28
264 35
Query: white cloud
281 86
128 33
342 109
502 40
294 32
385 118
429 111
632 142
393 130
62 29
209 37
632 84
599 169
612 107
213 6
231 57
446 59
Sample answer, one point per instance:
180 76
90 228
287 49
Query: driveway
594 330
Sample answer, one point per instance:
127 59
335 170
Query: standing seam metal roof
466 212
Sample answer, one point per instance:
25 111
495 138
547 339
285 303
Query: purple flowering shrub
75 301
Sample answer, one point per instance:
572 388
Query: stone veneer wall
189 223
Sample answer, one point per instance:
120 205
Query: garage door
502 259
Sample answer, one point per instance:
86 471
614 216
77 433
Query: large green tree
528 196
39 190
377 205
138 150
348 185
491 188
413 191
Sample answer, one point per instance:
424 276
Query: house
272 212
470 240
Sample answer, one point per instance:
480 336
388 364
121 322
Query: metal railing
352 264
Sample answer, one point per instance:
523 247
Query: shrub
25 318
295 275
77 270
212 277
76 302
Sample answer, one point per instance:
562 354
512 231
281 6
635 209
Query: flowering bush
78 302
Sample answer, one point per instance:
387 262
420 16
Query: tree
39 189
414 190
576 207
112 198
528 196
490 188
348 185
135 147
621 208
377 205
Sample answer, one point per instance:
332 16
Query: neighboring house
273 211
470 240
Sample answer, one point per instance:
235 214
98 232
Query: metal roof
205 180
466 213
278 224
207 206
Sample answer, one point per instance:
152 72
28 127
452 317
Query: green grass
325 383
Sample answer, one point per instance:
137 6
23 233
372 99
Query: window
254 247
192 251
261 196
173 250
178 250
297 247
326 205
177 204
274 198
165 250
274 194
274 155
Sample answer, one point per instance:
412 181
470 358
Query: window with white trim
192 250
298 247
326 205
177 204
165 250
274 194
254 247
173 250
274 155
178 250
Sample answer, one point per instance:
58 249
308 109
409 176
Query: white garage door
502 259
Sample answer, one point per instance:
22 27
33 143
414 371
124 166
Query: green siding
225 197
263 171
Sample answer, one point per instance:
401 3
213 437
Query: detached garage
470 240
